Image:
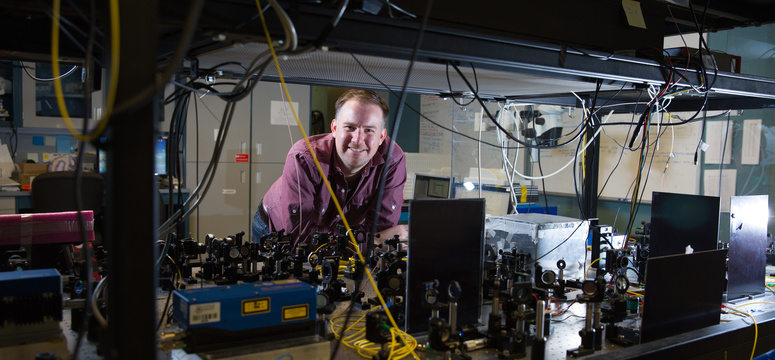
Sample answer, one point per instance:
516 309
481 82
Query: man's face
359 133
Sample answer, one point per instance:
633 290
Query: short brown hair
366 97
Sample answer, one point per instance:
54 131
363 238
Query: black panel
681 220
677 302
445 243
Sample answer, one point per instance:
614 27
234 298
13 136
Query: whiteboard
465 153
433 139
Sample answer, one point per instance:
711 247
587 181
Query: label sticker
255 306
204 313
296 312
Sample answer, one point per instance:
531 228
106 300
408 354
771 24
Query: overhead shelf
506 67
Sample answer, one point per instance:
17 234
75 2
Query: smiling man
353 157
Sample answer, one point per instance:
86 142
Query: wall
261 130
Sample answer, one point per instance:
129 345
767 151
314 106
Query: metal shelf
506 67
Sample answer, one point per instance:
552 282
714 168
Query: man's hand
401 230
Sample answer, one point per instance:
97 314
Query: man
353 156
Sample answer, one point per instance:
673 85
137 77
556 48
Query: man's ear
382 136
333 125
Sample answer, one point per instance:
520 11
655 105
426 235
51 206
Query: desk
732 338
16 202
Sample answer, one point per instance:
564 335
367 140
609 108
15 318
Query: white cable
47 80
95 295
511 173
295 163
479 152
571 161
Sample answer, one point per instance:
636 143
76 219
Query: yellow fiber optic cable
755 328
114 67
320 169
590 266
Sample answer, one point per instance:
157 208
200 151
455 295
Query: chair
55 192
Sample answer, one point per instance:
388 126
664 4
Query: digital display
102 156
431 187
102 161
160 156
438 188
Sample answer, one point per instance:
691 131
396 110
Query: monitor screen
432 187
160 156
102 156
102 163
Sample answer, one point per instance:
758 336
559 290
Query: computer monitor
160 156
432 187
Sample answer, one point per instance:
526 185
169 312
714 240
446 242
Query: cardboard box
28 171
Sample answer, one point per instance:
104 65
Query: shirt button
322 210
294 211
337 215
342 191
366 201
393 207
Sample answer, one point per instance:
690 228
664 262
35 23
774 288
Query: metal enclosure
747 245
547 238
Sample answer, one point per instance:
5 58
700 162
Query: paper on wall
728 185
752 138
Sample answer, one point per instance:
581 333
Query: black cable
538 158
645 182
723 153
390 146
669 124
487 111
64 21
543 180
323 35
166 306
702 131
621 155
78 191
498 125
639 199
703 43
196 158
180 51
83 16
425 117
575 180
558 245
449 85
